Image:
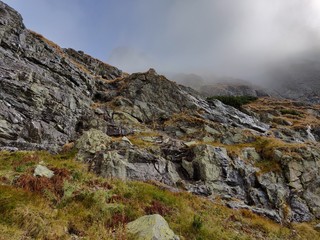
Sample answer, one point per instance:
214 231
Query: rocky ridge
145 127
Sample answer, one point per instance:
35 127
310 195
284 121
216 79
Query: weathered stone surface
267 213
43 171
317 227
44 91
151 227
90 142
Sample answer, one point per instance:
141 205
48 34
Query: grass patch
95 208
290 112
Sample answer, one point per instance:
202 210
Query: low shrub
234 101
197 223
290 112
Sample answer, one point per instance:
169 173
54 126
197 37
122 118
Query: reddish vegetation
39 184
97 184
4 180
158 207
118 219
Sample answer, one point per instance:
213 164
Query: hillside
113 147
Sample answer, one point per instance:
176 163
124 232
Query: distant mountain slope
298 81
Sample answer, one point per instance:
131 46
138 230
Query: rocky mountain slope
144 127
45 90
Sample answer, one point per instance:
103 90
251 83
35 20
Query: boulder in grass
151 227
43 171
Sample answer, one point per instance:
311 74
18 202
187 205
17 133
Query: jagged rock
151 227
301 212
9 149
132 163
317 227
151 97
114 130
206 164
44 90
250 154
90 143
43 171
125 139
267 213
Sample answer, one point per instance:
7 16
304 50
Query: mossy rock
150 227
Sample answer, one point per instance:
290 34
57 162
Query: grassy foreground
76 203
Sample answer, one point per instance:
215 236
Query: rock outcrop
280 182
45 91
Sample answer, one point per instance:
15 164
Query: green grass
290 112
96 208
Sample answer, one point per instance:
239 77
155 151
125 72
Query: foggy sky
237 38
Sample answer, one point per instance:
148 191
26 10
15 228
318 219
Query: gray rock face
286 195
44 91
151 227
123 160
150 97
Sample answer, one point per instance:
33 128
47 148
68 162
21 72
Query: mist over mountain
245 39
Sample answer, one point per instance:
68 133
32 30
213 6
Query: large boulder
151 227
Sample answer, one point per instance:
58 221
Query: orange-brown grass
298 114
96 105
40 184
157 207
137 139
67 147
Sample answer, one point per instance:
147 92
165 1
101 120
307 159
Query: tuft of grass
197 223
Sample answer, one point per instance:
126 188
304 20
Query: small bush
234 101
290 111
197 223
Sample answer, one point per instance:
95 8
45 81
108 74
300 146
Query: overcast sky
236 38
